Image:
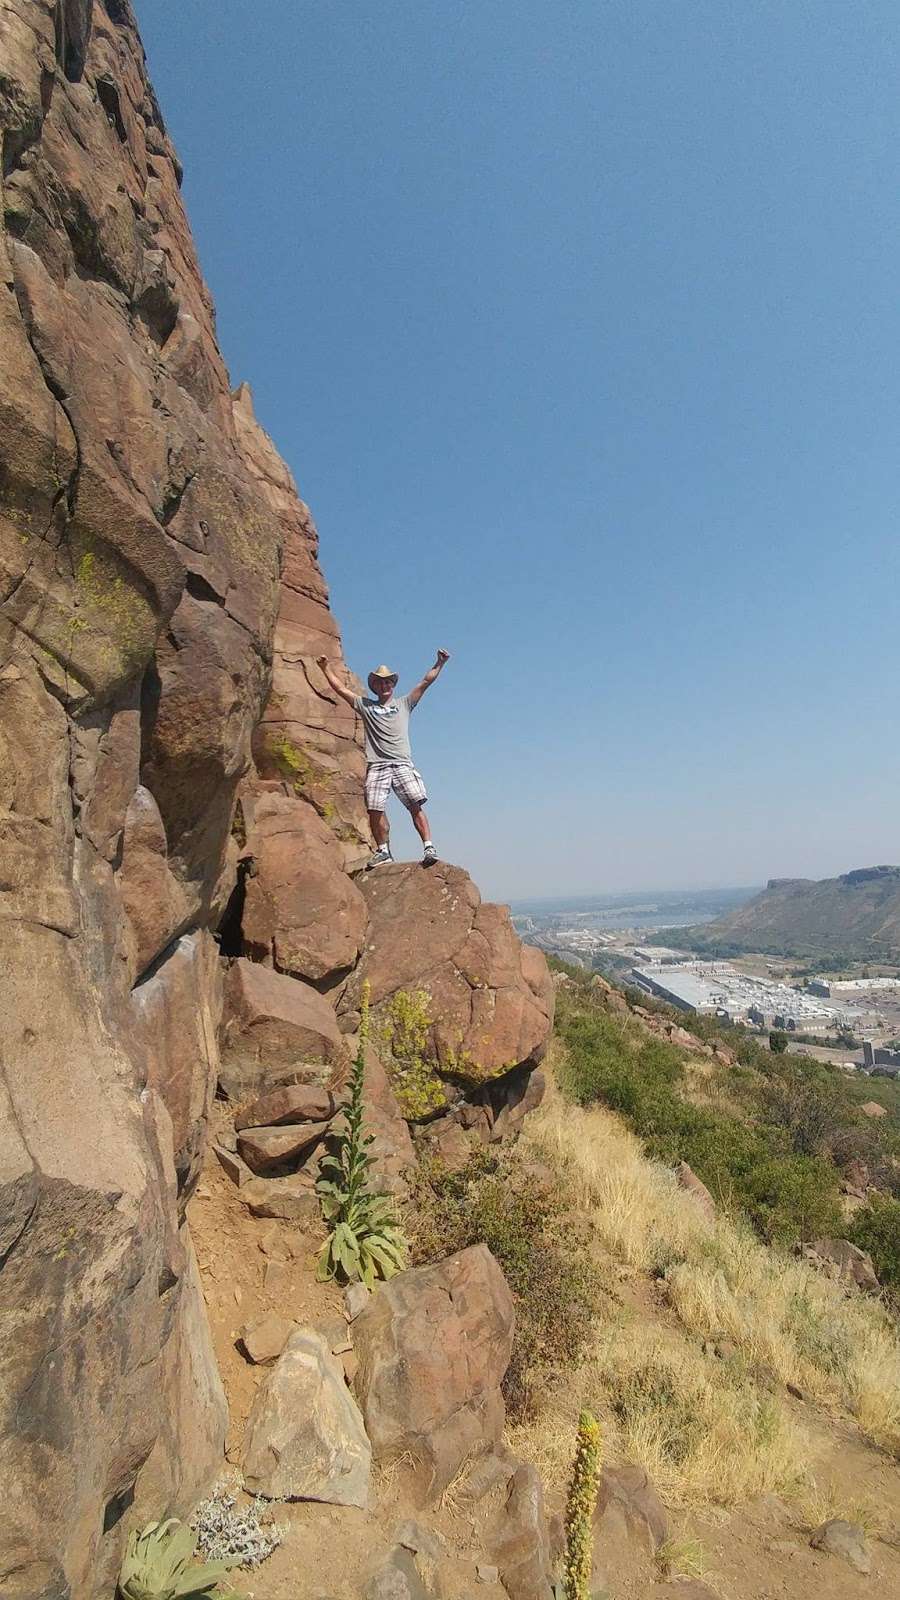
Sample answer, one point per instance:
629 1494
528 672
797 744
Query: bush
787 1193
876 1228
778 1041
521 1220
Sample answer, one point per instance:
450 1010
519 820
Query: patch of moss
403 1035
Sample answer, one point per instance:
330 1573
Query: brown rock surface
845 1260
491 1003
297 1102
520 1541
301 911
433 1346
305 1436
142 519
279 1149
688 1180
276 1031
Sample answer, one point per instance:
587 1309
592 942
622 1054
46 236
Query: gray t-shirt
387 727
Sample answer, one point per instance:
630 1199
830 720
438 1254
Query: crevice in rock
108 95
230 932
199 589
173 497
116 1507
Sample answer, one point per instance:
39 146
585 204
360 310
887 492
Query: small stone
272 1243
231 1163
264 1341
277 1279
296 1102
356 1298
845 1539
486 1572
291 1198
421 1540
350 1363
266 1150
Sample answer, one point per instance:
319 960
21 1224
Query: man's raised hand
443 656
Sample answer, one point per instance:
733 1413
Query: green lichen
405 1025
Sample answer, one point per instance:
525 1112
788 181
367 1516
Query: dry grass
705 1436
707 1430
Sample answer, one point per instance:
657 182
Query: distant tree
778 1041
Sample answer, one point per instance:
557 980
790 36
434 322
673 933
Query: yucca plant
158 1566
366 1241
580 1505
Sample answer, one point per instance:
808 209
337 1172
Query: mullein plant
158 1566
580 1505
366 1241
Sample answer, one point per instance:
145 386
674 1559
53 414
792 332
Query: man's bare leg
420 823
378 822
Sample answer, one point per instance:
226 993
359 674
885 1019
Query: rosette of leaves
366 1241
159 1565
580 1505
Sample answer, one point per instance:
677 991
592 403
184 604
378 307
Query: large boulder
433 1346
305 1438
488 997
275 1031
301 911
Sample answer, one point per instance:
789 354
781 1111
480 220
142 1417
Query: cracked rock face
164 735
143 519
488 997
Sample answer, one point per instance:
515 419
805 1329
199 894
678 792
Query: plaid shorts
401 776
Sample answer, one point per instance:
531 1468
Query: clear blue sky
578 326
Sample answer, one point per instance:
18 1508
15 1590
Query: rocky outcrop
489 998
433 1346
172 784
139 583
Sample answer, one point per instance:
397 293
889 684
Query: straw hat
381 672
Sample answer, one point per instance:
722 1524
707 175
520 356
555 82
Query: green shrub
522 1221
778 1041
876 1228
748 1167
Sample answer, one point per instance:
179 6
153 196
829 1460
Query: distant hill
856 916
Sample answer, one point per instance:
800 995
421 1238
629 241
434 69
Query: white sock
428 845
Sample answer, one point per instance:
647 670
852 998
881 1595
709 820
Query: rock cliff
179 791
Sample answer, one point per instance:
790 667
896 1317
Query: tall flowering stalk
365 1241
580 1505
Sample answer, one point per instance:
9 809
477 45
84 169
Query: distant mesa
853 917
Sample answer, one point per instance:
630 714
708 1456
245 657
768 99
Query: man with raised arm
389 763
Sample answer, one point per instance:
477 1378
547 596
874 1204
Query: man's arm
334 682
415 695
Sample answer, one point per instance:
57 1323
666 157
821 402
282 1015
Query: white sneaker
381 855
430 856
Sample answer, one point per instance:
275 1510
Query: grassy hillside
691 1335
855 917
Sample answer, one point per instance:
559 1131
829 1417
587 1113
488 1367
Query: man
388 756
